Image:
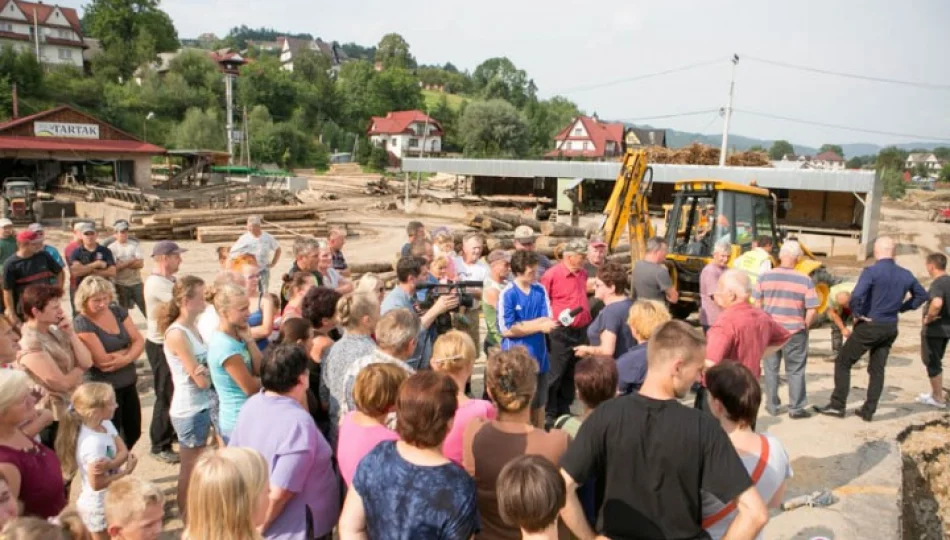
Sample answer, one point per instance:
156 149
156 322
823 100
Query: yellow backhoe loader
704 212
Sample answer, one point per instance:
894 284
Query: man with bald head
879 297
742 333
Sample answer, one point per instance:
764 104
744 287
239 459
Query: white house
53 30
291 47
929 160
829 161
405 133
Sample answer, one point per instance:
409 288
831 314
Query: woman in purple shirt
609 334
304 498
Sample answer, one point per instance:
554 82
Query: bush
320 157
364 150
378 158
893 184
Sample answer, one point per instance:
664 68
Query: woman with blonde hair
645 317
227 498
371 284
511 380
194 404
443 245
233 357
88 442
32 470
261 308
454 354
66 526
115 344
357 314
51 352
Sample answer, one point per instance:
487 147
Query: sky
569 46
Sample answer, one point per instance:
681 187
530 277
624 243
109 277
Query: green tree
944 174
836 148
316 91
757 148
545 119
131 32
393 52
367 93
854 163
498 78
893 183
265 83
21 67
779 149
378 158
892 158
448 119
921 170
198 70
942 152
494 129
200 130
358 52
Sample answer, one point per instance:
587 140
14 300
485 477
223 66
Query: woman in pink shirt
454 355
374 393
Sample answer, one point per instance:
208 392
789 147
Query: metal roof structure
812 179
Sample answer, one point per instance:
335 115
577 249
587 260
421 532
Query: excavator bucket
628 206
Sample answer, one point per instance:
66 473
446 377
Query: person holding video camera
409 272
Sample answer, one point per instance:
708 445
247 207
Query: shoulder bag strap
756 476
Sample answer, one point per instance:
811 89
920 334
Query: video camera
443 322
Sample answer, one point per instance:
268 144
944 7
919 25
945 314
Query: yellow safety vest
751 263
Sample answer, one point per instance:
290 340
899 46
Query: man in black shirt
652 456
31 264
936 331
91 259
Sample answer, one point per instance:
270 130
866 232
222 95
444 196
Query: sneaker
928 399
830 410
166 456
799 414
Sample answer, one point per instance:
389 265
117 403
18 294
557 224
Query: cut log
549 228
487 224
515 219
550 242
493 243
271 213
374 267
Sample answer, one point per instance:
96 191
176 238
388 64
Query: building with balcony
51 31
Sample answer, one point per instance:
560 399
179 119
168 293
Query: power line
926 138
917 84
641 77
702 132
674 115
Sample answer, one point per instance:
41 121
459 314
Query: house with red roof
405 133
828 160
588 137
58 35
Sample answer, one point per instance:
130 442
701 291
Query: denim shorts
193 430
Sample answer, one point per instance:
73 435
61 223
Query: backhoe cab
703 213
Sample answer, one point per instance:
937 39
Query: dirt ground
847 456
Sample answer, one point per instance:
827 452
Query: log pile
226 225
701 154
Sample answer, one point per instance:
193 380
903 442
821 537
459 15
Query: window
586 145
6 27
413 143
394 143
64 34
578 131
65 54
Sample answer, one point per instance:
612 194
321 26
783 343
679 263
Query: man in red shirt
743 333
566 284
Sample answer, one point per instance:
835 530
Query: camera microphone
566 318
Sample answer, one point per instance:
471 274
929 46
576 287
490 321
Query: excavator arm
628 205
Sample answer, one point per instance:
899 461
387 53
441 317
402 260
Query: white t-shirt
124 253
188 398
777 470
158 290
262 247
92 446
471 272
207 323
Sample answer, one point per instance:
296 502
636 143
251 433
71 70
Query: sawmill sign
63 129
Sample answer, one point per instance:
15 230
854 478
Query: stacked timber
210 234
185 224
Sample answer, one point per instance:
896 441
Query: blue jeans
795 354
193 430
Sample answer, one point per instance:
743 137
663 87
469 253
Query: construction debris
185 224
701 154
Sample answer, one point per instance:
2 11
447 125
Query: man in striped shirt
789 297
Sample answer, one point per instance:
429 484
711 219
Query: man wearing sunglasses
89 258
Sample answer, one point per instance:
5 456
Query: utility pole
36 35
425 132
16 104
229 119
725 125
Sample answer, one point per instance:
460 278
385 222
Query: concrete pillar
872 217
142 174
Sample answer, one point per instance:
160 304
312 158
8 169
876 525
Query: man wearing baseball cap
41 237
596 257
524 241
566 285
128 265
166 256
30 265
89 258
7 240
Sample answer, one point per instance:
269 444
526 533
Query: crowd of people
338 407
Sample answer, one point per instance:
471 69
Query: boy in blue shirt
524 317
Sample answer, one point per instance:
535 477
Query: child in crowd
645 317
135 510
454 354
374 393
531 494
595 379
66 526
227 497
87 441
443 245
